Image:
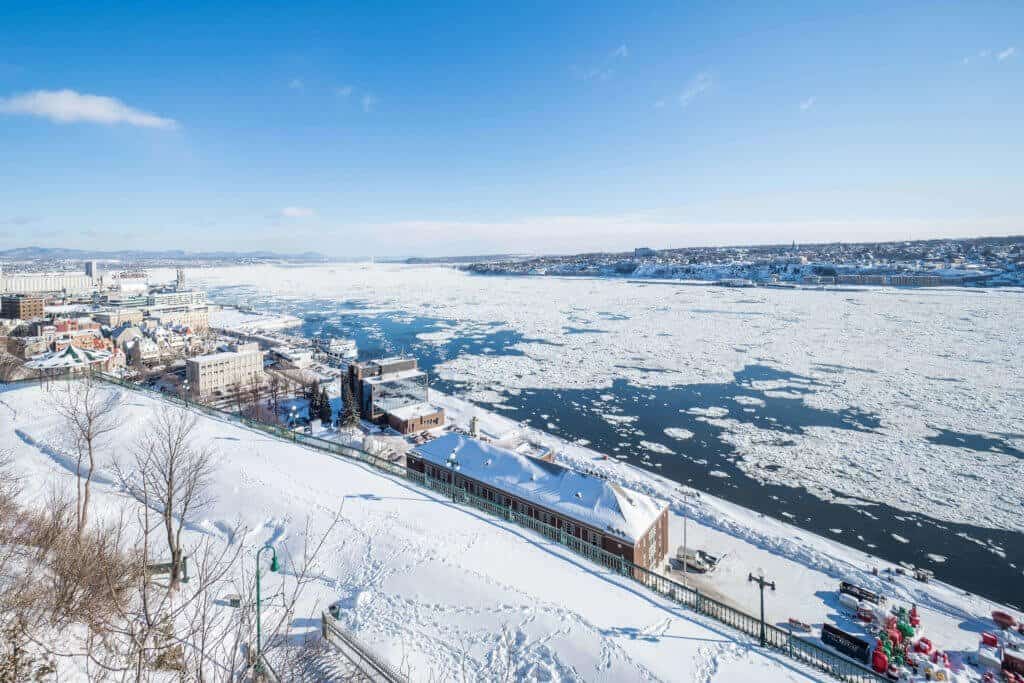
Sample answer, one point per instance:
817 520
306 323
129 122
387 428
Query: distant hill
460 259
56 253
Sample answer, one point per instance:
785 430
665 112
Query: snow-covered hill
438 590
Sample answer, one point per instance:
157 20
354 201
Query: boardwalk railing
779 640
360 656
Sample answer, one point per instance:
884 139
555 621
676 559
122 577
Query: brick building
590 508
21 307
395 392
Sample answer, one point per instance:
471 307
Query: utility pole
761 582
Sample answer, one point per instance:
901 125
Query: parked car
696 560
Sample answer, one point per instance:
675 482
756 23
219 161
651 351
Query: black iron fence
780 640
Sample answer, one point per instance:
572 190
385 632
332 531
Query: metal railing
782 641
358 655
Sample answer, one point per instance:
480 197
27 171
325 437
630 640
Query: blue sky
387 128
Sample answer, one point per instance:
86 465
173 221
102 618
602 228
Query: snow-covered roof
68 357
591 500
394 376
222 355
413 411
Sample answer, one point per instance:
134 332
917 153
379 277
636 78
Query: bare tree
87 408
170 475
238 397
11 367
274 390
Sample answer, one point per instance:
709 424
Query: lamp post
293 415
688 495
761 582
184 389
259 626
453 464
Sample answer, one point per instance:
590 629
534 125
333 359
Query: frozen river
890 420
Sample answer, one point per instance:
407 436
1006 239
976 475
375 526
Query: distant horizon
334 258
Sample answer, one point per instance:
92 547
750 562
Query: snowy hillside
437 589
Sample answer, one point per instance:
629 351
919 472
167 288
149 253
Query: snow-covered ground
929 363
437 589
249 321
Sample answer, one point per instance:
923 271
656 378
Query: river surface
628 421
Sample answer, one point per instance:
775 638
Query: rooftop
591 500
395 376
413 411
223 355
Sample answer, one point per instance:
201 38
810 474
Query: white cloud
344 90
297 212
369 102
808 103
68 106
621 51
1006 54
697 86
296 84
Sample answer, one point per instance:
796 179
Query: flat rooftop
414 410
395 376
223 355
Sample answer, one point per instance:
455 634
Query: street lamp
761 582
689 495
184 388
453 464
259 630
293 415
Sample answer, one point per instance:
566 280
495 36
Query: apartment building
224 372
21 307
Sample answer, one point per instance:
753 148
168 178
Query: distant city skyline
535 129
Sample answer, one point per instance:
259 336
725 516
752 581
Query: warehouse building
620 521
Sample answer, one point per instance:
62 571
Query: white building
188 297
225 371
299 358
39 283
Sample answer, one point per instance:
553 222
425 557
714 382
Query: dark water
972 561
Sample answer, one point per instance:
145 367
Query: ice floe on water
709 412
656 447
678 433
943 398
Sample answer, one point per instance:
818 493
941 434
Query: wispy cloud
69 106
369 102
1000 56
344 91
594 74
697 86
297 212
18 220
296 84
603 70
808 103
